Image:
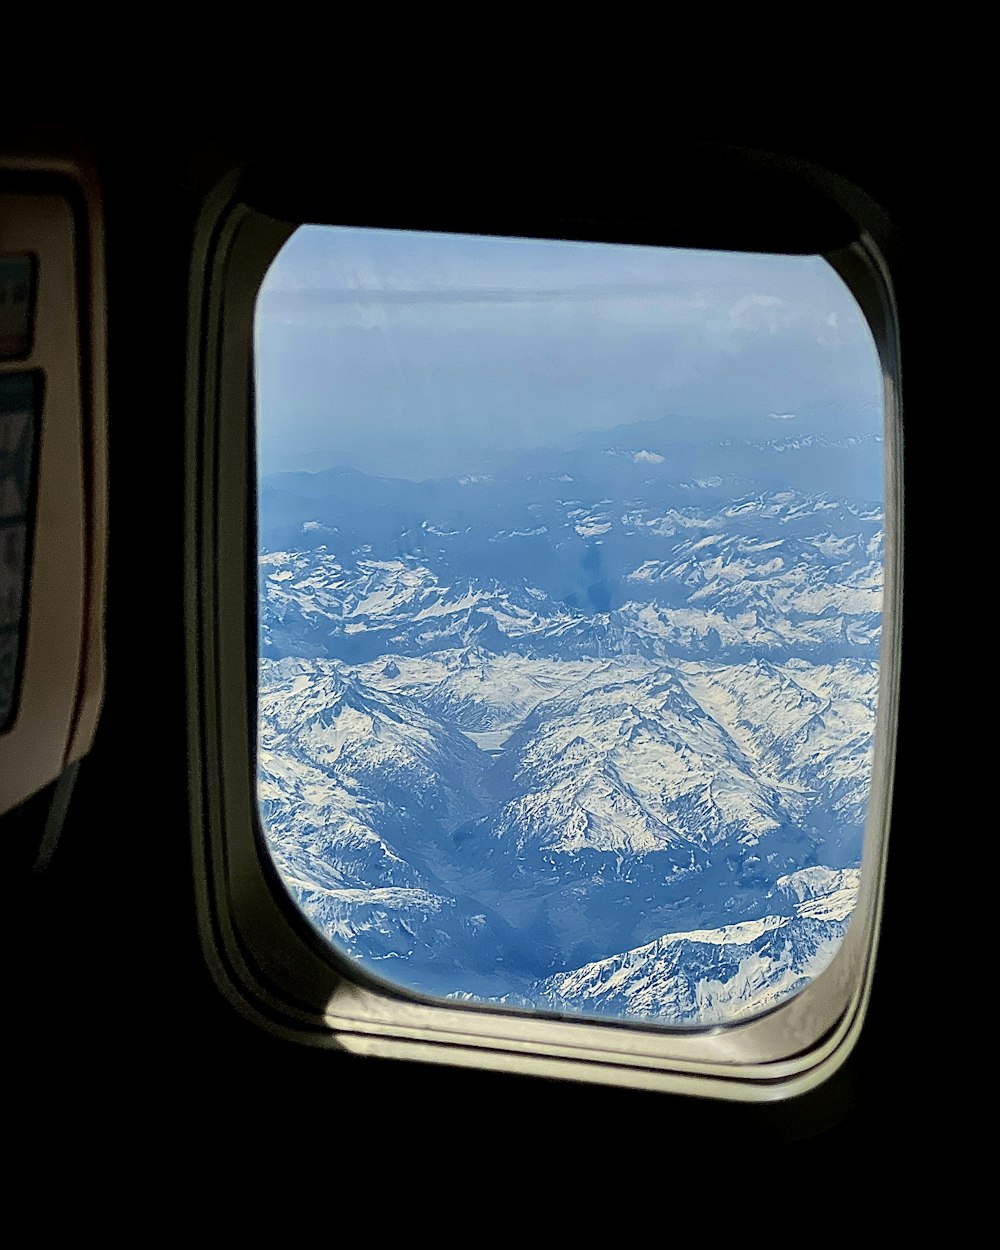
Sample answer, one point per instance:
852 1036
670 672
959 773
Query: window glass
570 576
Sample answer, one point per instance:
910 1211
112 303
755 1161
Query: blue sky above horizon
420 355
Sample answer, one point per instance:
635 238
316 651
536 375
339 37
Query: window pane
570 606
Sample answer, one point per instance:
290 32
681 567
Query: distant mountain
822 448
575 520
777 576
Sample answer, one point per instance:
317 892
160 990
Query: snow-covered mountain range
785 575
576 749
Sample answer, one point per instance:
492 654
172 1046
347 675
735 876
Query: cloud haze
418 354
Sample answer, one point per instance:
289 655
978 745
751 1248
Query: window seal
264 955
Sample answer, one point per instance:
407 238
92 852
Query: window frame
265 956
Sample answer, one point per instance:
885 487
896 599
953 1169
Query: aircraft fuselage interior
162 987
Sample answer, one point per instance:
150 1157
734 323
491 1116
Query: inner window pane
570 587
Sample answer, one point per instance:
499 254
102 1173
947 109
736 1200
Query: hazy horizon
418 355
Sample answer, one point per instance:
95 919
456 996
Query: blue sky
416 355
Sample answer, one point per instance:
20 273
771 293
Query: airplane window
570 608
